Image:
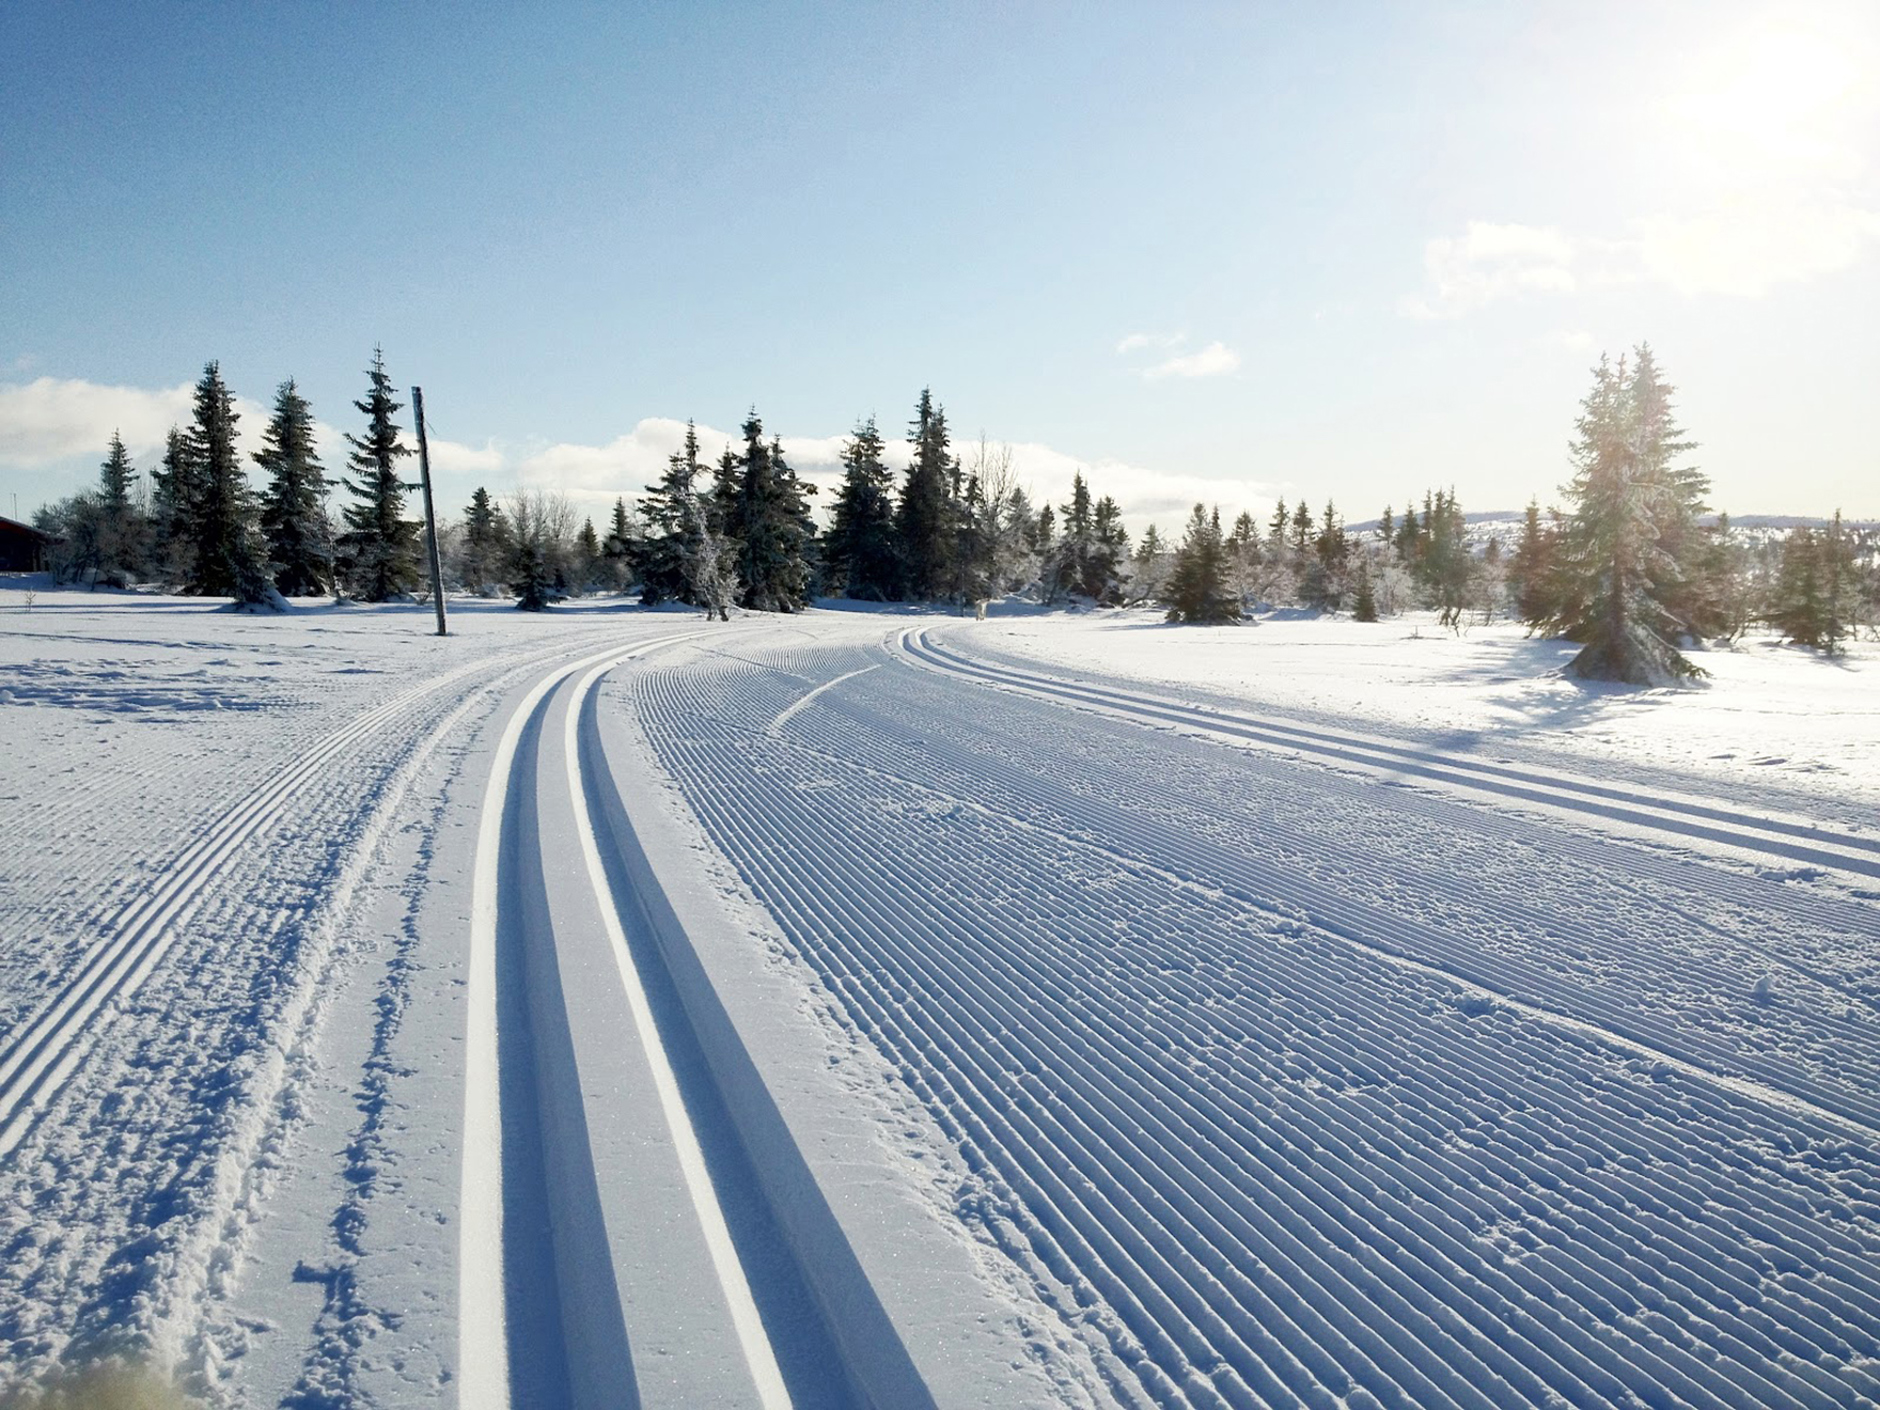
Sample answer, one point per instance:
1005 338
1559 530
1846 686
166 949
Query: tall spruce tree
1815 601
123 542
620 550
1633 512
486 545
671 531
923 520
769 519
1531 571
1197 589
227 557
176 490
859 549
379 550
293 503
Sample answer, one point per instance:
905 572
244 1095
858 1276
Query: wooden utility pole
430 511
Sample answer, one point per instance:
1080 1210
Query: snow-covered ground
884 1008
1767 712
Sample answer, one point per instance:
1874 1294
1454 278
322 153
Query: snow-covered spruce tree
769 519
1091 548
1617 573
379 550
859 549
1322 585
1150 567
1244 559
293 504
1197 589
923 522
666 512
709 563
228 554
585 568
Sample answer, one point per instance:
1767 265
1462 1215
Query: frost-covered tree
859 555
1364 601
1632 506
1091 548
709 562
584 565
293 503
1197 589
1245 558
1150 567
379 550
1530 576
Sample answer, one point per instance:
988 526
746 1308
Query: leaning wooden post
430 512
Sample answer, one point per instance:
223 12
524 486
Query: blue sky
1213 252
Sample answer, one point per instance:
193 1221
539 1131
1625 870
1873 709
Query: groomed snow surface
869 1008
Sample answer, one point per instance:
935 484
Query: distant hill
1505 524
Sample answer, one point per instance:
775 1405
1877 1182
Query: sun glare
1772 101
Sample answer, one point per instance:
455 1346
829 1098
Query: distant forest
1633 566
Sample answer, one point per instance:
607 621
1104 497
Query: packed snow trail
617 1245
1295 1089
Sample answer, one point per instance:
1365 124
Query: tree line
202 528
1633 567
1632 570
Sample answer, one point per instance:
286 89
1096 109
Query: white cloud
1144 495
453 458
1136 341
1575 340
1215 360
48 422
52 419
1488 262
1747 249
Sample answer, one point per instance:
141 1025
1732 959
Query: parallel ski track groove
1078 821
41 1056
483 1376
1841 1038
1686 817
1137 1183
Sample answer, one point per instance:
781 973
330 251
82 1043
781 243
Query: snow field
1144 984
1272 1057
1775 723
1642 808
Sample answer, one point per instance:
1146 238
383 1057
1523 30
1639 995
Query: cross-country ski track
830 1012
